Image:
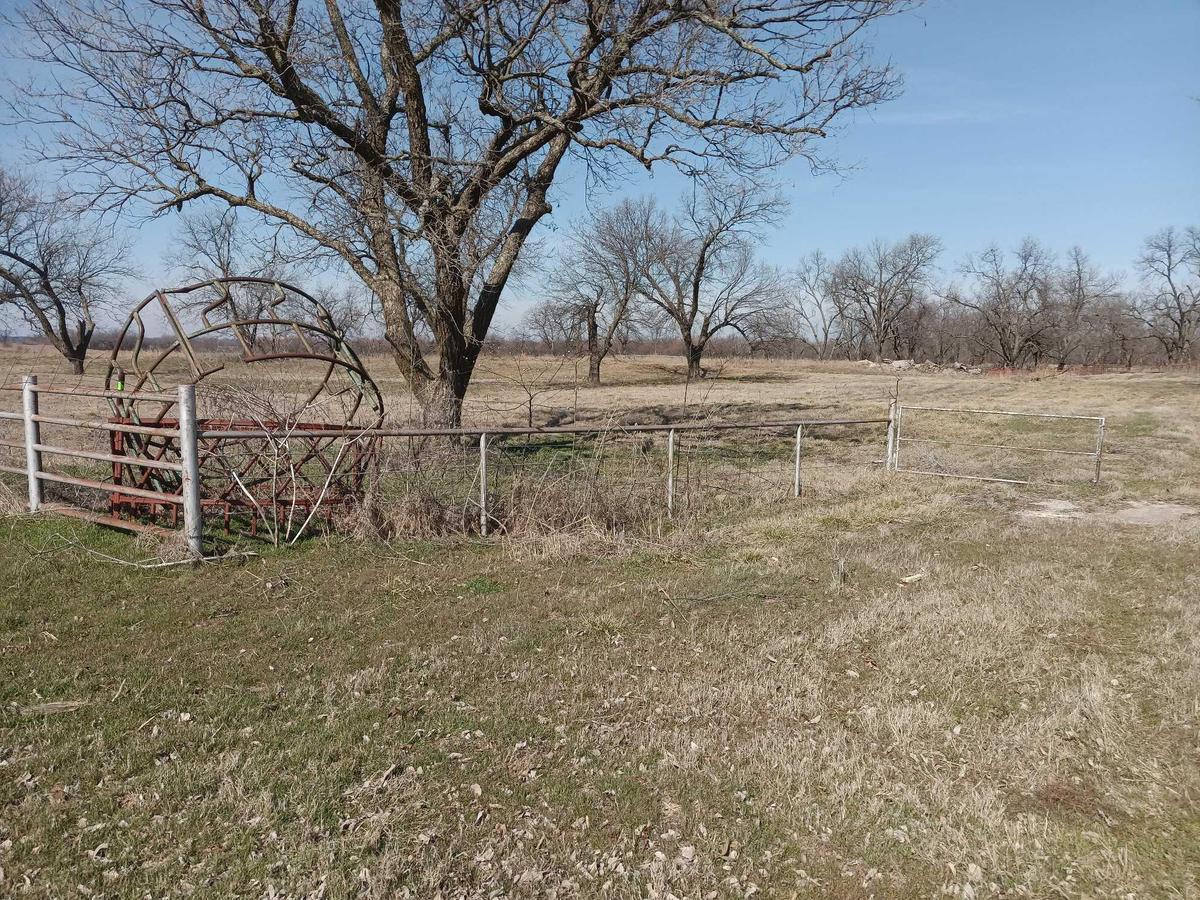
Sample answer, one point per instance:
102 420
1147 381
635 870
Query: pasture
896 686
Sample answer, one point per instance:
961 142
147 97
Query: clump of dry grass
416 513
11 502
580 499
166 547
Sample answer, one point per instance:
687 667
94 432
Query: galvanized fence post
671 474
1099 449
189 455
796 485
33 437
483 484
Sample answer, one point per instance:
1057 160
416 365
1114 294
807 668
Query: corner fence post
190 457
889 463
671 474
483 484
33 437
1099 449
797 487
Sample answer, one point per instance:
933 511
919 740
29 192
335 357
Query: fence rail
520 431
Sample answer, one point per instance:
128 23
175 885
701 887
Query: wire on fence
997 445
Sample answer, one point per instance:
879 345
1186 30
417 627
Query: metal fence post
796 485
671 474
889 463
897 436
33 437
1099 449
189 455
483 484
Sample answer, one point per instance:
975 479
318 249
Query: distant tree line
634 277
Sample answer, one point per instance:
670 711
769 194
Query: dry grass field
897 686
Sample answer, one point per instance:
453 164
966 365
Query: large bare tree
599 272
418 140
876 285
56 269
1013 300
1081 290
812 313
1169 303
701 272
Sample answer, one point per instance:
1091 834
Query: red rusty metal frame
305 478
308 473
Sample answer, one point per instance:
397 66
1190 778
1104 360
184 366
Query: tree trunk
595 351
693 354
442 405
442 399
73 350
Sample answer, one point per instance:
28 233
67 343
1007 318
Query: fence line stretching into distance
472 461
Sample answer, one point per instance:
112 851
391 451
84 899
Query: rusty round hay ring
309 332
327 474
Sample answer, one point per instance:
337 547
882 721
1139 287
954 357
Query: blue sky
1075 121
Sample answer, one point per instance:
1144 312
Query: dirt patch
1133 513
1150 513
1053 509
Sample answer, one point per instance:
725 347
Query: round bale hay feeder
283 417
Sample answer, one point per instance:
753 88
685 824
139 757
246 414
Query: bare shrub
285 477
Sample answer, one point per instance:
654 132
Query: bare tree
812 306
56 270
948 331
874 286
1013 302
599 272
1120 335
418 141
1079 290
700 270
1169 303
217 244
555 324
912 326
351 308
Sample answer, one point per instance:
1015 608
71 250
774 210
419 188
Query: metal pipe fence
490 479
480 478
611 476
37 446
